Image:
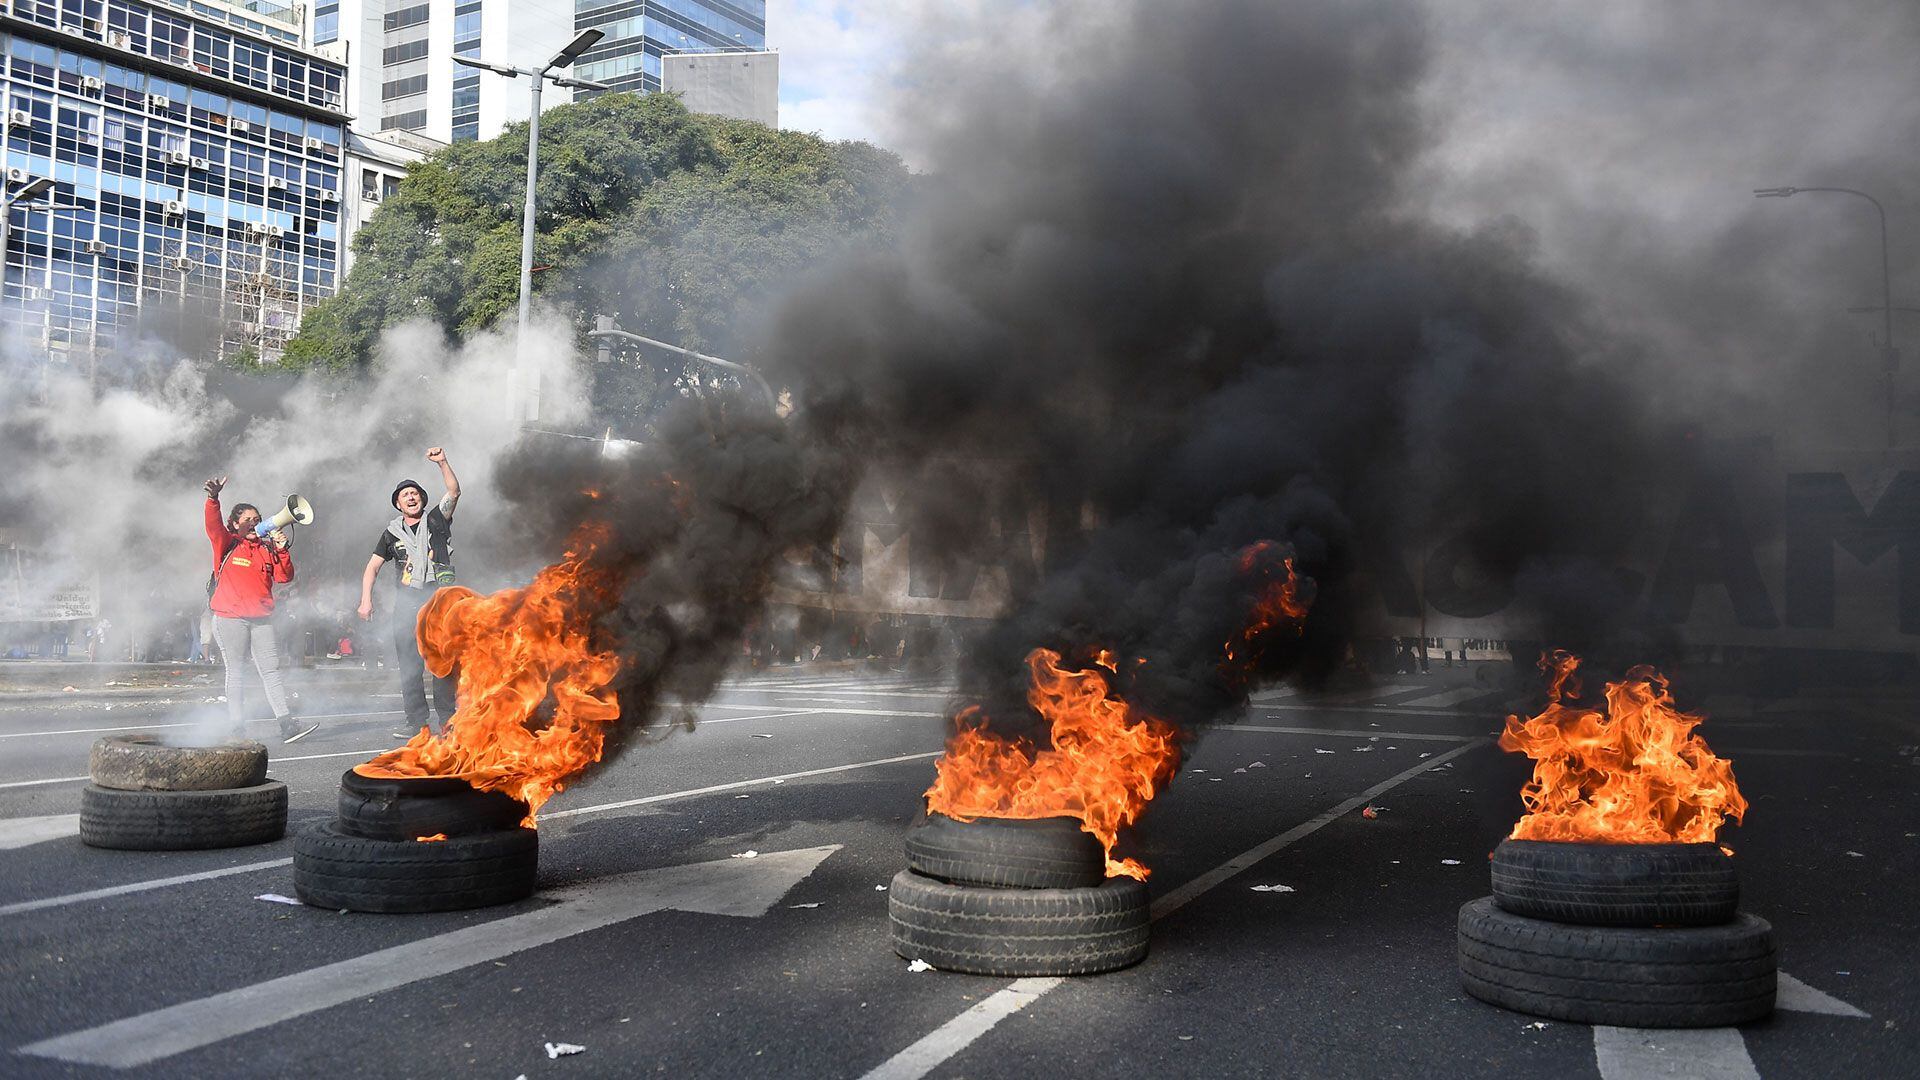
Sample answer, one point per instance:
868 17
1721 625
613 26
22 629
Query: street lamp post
539 77
1892 357
26 193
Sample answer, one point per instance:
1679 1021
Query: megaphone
297 512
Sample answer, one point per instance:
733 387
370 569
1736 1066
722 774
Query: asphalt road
780 965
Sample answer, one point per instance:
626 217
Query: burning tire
1043 853
1019 931
1710 976
334 870
182 820
144 763
376 808
1616 884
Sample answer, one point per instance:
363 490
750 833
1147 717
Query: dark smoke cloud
1175 277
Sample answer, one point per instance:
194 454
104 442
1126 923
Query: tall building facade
400 56
195 148
640 32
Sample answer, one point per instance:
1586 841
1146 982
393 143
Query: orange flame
534 699
430 839
1106 764
1280 602
1108 759
1633 773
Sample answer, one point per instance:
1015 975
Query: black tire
144 763
1706 976
337 871
1006 853
1019 931
1616 884
182 820
429 806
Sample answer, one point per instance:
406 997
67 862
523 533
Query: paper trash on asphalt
555 1050
276 898
1257 765
747 854
815 904
758 735
1449 862
1273 888
919 965
1317 750
1371 812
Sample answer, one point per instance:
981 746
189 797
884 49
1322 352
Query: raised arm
216 523
439 457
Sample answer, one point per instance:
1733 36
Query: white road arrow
742 887
1702 1053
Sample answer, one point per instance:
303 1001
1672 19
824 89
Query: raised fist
436 455
214 485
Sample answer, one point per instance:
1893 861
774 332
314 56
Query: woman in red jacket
245 570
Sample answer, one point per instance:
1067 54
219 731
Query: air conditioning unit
329 196
181 262
240 127
34 292
201 164
179 157
159 101
277 183
74 30
119 39
315 145
92 82
372 195
19 118
176 207
276 231
96 247
17 175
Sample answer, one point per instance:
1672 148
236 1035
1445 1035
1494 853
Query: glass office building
640 32
196 153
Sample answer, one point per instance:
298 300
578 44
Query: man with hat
420 543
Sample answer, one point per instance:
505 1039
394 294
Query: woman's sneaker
293 730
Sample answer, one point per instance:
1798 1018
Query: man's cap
404 485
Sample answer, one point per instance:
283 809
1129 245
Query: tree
684 227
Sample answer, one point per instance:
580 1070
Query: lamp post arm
773 400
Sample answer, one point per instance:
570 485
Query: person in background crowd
420 543
245 570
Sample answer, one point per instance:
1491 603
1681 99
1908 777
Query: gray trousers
238 638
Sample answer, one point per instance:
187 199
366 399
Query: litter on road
276 898
1449 862
747 854
1273 888
919 965
556 1050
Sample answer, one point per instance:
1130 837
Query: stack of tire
1628 935
997 896
148 796
416 844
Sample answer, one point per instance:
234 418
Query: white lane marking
650 799
762 716
929 1052
302 757
142 886
1368 733
23 831
1176 899
1672 1054
1446 697
134 887
156 727
950 1038
1376 710
1796 996
36 783
723 887
90 730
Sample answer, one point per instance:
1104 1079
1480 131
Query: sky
833 56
